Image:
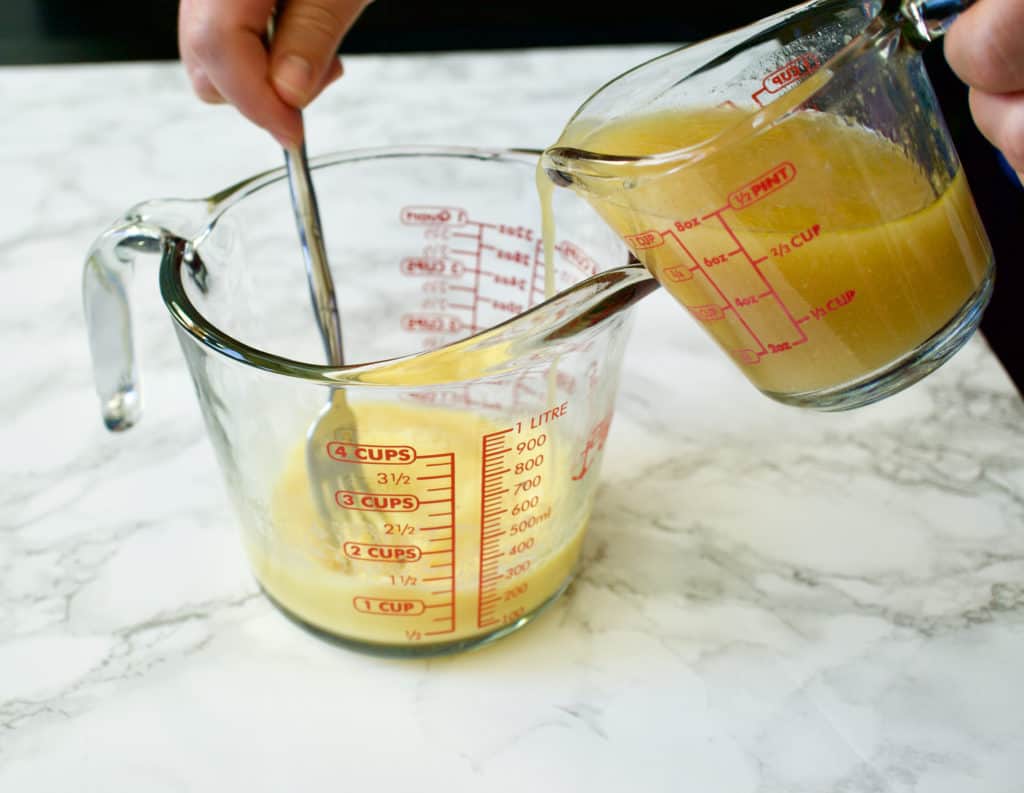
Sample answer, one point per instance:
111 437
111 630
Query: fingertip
953 48
293 78
204 88
1000 118
334 71
985 48
289 134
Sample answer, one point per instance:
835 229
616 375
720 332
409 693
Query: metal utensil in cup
336 421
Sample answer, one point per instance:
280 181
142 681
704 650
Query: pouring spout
568 166
606 294
545 331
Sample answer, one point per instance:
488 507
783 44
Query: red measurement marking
767 183
376 454
376 502
796 242
438 268
747 356
834 304
679 273
512 281
519 232
645 240
368 552
576 256
519 257
388 607
477 254
536 290
494 467
427 322
784 346
714 285
440 561
755 263
718 258
595 443
686 224
432 216
508 306
451 577
708 313
788 74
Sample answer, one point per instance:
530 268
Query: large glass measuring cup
459 494
794 186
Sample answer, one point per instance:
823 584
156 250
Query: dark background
67 31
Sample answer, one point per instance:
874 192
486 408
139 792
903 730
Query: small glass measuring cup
459 501
794 186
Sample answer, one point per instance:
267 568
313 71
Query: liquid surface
459 528
814 253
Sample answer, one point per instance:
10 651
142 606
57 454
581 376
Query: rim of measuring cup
561 160
180 257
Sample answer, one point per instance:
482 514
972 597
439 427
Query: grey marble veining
771 600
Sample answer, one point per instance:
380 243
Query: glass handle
106 278
928 20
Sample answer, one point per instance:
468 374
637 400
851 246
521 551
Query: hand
223 48
985 48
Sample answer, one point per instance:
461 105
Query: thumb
306 38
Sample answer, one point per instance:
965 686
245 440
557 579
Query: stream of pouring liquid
545 193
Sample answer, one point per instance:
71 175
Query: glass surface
808 210
434 493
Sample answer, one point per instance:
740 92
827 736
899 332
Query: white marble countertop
771 600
